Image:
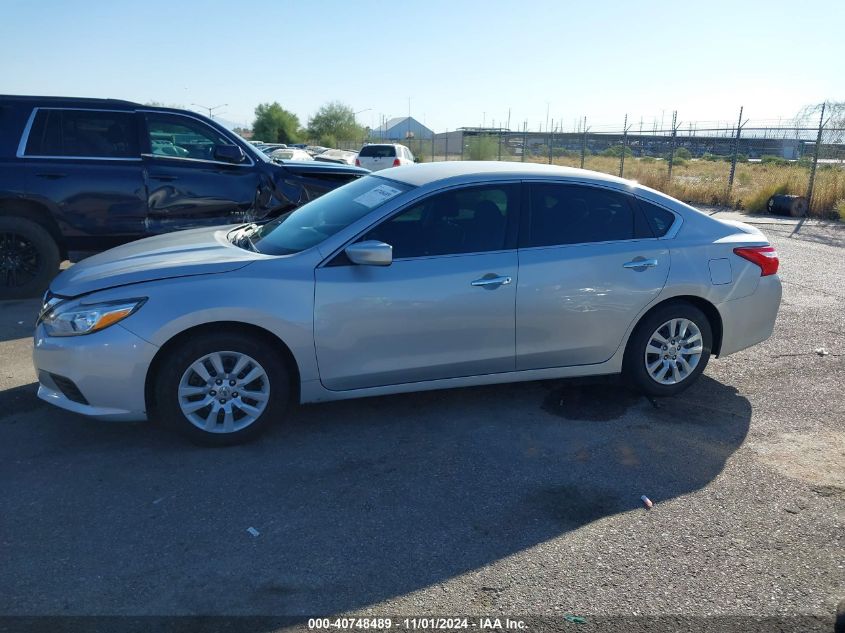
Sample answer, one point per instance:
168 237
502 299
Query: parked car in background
269 148
376 156
290 153
83 175
337 156
446 274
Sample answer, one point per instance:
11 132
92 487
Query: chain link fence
740 164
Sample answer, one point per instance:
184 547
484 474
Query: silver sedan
427 277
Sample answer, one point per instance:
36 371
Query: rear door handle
491 280
640 263
51 176
163 177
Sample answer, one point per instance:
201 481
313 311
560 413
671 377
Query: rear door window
575 214
83 134
377 151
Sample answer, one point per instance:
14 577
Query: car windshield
318 220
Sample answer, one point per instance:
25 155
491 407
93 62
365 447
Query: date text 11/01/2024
415 624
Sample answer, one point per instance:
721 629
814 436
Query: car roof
426 173
68 101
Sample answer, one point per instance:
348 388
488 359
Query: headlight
73 318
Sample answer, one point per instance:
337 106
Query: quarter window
179 137
83 134
574 214
660 220
461 221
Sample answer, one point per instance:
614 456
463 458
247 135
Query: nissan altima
423 277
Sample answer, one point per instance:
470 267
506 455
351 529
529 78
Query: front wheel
221 389
668 350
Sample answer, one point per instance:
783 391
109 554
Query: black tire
29 258
166 409
634 366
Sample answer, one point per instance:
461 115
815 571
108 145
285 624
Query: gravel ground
516 499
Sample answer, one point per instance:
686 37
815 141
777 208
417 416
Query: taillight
766 257
357 163
396 162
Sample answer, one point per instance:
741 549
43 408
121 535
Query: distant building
399 129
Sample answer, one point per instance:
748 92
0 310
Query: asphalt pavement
514 499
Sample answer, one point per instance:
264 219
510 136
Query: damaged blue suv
79 176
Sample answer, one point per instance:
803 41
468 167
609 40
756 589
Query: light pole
210 109
355 115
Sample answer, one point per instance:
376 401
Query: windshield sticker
377 195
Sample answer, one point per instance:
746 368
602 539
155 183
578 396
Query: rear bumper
751 319
108 369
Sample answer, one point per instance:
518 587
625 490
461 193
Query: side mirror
370 253
228 153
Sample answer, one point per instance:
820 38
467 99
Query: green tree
334 122
482 148
615 151
274 124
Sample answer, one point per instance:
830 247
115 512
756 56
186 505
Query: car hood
181 254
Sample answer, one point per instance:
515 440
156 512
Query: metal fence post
524 140
815 160
672 149
463 144
500 144
735 150
432 148
551 140
624 146
584 143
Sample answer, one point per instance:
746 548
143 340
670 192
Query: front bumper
109 368
751 319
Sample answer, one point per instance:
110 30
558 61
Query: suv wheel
221 389
29 258
668 350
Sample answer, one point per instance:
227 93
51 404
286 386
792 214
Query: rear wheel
29 258
668 350
221 389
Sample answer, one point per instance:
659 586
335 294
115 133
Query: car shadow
17 318
349 503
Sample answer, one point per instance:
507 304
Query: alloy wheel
673 351
19 260
224 392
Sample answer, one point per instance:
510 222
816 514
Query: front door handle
492 281
640 263
51 176
162 177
